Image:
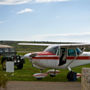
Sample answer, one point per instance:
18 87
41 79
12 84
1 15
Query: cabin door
63 56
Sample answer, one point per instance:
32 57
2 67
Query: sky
45 20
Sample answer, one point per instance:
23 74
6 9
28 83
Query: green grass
26 74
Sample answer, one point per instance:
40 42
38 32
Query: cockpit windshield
79 51
52 49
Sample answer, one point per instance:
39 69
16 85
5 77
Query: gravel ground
24 85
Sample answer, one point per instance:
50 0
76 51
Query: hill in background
31 48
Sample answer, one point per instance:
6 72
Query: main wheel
72 76
52 75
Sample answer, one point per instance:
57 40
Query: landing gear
41 70
53 75
53 72
72 76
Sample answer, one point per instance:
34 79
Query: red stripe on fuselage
57 58
80 58
46 58
51 56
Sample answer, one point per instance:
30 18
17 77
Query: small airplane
59 56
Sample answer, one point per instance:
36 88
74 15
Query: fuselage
60 58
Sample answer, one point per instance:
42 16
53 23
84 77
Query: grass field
26 74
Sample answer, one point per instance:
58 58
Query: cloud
26 10
13 2
46 1
64 35
69 37
16 2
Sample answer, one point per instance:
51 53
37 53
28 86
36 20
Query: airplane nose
27 55
30 55
33 55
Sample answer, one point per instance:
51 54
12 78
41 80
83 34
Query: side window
71 52
58 51
78 51
54 50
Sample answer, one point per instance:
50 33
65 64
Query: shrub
3 79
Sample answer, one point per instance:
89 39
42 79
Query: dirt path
21 85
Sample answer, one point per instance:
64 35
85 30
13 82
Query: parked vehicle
8 53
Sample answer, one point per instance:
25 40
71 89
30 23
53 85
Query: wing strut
68 66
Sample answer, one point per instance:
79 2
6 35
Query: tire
39 78
72 76
19 66
52 75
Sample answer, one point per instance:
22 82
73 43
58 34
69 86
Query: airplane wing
35 44
75 45
82 45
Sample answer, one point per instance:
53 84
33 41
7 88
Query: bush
3 79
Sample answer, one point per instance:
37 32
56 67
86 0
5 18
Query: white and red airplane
59 56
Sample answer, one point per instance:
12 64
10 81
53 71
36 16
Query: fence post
85 79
